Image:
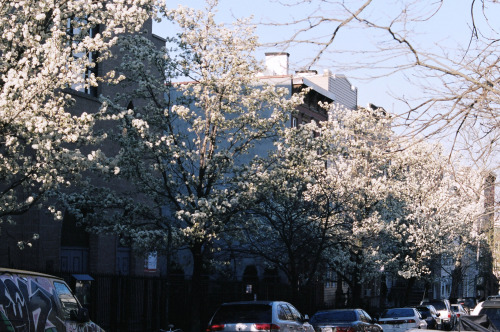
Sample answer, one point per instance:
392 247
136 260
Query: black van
31 301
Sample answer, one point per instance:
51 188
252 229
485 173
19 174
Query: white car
401 319
477 309
262 316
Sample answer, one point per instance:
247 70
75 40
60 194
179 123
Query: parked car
31 301
491 308
344 320
431 316
468 303
477 308
401 319
447 315
258 316
459 309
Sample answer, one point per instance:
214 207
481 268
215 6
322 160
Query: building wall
45 253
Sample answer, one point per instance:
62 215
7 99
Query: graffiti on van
26 305
29 304
89 327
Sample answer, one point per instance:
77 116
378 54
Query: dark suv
491 308
266 316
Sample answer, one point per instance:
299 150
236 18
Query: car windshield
398 312
425 312
243 313
438 305
493 314
333 316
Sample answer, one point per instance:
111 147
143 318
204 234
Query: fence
137 304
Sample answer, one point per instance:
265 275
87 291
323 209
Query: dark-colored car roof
336 315
249 302
422 307
492 303
397 312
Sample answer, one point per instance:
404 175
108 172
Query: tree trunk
408 291
356 301
339 293
456 280
196 288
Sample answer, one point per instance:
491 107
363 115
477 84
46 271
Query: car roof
399 308
330 310
26 273
336 310
493 303
423 307
252 302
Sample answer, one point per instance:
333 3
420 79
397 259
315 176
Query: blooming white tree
346 195
318 199
182 145
44 47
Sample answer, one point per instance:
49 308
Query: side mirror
80 315
438 314
306 318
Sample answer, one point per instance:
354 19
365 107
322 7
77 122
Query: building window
331 278
295 122
123 260
74 246
76 34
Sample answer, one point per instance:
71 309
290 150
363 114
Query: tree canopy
45 48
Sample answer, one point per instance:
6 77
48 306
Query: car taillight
449 315
410 321
215 327
266 327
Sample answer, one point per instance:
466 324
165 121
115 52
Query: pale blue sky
449 28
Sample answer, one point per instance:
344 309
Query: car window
333 316
398 312
284 313
424 312
295 313
243 313
68 301
437 304
365 317
493 314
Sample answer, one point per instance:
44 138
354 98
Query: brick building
63 246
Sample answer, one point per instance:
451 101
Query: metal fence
136 304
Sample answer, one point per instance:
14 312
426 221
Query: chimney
277 63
